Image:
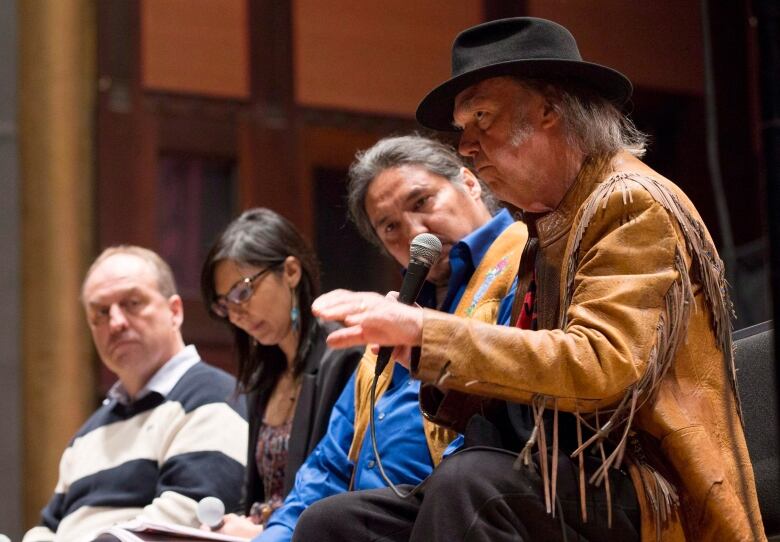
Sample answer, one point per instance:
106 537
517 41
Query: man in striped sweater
171 430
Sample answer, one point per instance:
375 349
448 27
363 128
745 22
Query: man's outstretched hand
370 318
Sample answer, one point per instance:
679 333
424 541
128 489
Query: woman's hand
235 525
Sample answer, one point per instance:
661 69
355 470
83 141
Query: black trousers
476 495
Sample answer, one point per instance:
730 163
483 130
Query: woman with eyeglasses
261 277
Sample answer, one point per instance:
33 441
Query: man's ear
549 112
176 306
471 184
292 271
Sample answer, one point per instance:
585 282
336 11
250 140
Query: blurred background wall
155 122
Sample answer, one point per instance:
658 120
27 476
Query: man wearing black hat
618 416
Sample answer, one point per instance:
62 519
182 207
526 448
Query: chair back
758 390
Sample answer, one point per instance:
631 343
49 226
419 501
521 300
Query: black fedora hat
523 46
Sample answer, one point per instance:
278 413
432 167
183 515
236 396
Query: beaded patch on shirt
490 276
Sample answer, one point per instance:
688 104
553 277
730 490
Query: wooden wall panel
657 44
266 134
56 144
196 46
374 56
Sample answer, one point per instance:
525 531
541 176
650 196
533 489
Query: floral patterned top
271 457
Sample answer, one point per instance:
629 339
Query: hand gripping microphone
210 511
423 253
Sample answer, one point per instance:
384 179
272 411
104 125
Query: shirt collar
162 382
465 256
476 244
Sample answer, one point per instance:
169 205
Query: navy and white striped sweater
156 457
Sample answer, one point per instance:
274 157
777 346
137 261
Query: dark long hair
260 237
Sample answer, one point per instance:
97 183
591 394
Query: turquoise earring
295 312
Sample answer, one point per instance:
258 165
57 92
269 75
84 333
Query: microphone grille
210 511
425 248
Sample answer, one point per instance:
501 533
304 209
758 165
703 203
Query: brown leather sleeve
626 267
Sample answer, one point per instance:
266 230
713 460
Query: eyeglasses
239 293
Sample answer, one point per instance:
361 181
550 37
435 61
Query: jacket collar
551 226
318 346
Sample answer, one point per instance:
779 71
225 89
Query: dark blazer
324 376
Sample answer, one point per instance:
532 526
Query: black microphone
423 253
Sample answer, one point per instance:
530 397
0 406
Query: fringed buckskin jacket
634 340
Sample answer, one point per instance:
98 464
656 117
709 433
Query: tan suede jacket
634 317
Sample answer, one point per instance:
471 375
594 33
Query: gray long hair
593 124
391 152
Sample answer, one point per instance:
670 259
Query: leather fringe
671 329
